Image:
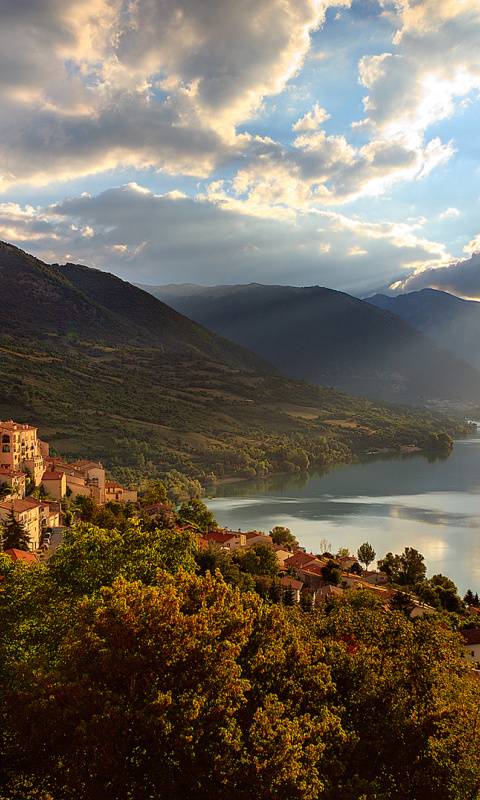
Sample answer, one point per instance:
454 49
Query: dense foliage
126 676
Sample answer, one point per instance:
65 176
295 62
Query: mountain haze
330 338
448 320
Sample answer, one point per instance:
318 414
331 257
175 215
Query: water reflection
392 501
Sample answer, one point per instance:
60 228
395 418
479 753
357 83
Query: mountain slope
84 304
330 338
448 320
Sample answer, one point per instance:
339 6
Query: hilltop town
26 465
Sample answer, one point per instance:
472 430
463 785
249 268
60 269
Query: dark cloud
461 278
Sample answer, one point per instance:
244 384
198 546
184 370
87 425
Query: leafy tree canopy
194 512
366 554
283 536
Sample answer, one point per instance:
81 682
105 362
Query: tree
401 601
156 493
257 560
227 694
366 554
194 512
283 536
331 573
469 597
15 536
406 569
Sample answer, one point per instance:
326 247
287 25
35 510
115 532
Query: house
55 484
254 537
17 480
20 449
76 478
282 555
299 560
48 512
291 583
27 512
327 591
159 511
94 475
471 641
227 540
346 561
113 492
374 577
25 556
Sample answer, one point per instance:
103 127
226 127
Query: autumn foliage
126 676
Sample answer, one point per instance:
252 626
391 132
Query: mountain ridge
331 338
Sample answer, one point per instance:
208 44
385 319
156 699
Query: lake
425 501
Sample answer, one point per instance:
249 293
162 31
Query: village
27 469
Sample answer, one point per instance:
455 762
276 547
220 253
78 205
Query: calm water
413 500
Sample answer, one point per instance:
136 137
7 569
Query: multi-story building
27 513
21 450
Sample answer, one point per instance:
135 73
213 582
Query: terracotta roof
471 636
22 555
300 560
312 569
112 485
221 538
11 472
19 505
10 425
52 476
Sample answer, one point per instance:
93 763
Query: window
5 438
6 448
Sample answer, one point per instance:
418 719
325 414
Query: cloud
461 277
312 120
88 85
160 239
427 74
450 212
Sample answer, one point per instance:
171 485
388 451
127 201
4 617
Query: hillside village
297 576
26 465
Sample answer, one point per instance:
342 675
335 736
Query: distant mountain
41 301
448 320
330 338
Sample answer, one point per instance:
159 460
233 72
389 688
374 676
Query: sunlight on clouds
312 120
450 212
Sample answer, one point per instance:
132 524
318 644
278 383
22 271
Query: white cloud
450 212
312 120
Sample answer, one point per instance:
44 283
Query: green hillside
108 372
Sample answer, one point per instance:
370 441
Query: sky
211 142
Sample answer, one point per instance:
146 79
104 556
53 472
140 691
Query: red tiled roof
471 636
20 505
12 472
22 555
52 476
221 538
299 560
